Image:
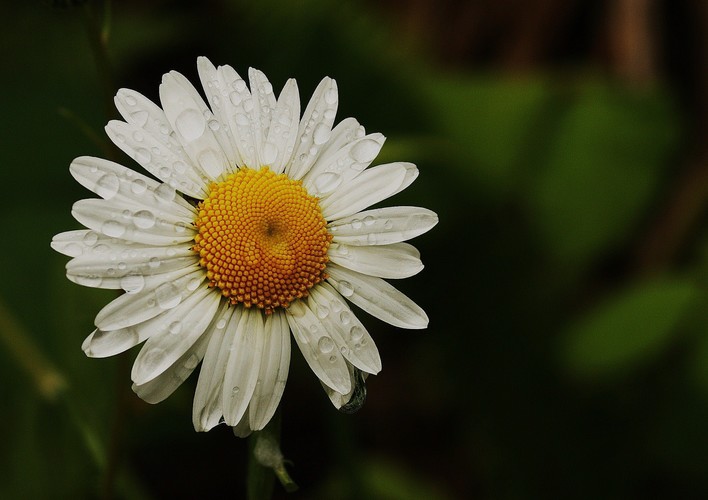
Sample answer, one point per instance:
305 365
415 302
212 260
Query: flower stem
266 462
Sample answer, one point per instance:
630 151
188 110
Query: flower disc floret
262 239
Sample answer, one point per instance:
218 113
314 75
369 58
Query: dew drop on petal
331 96
113 229
142 156
190 124
165 192
345 288
365 150
221 323
144 219
193 284
107 186
154 262
325 345
235 390
138 186
321 134
191 362
356 223
327 181
167 296
356 333
175 327
90 238
132 283
73 250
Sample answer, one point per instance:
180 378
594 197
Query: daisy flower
256 227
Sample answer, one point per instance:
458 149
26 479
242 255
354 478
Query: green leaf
627 330
602 168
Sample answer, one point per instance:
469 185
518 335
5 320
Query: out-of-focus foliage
556 364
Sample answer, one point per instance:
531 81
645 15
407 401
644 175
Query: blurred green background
563 145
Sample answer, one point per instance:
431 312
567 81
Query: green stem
266 462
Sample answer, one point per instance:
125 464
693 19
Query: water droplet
356 223
356 333
193 284
235 390
344 350
113 229
180 227
221 323
107 186
321 134
164 129
248 105
332 358
144 219
92 280
330 114
331 96
345 288
142 156
325 345
345 317
239 85
369 220
154 263
138 186
365 150
327 181
138 136
73 250
140 118
388 224
270 153
190 124
110 271
130 100
180 167
191 362
132 283
167 296
322 311
122 266
101 249
214 125
165 192
235 98
175 327
90 238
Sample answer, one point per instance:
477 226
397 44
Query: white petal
383 226
75 243
338 168
398 260
340 400
119 184
126 266
175 332
101 344
246 353
263 106
185 110
208 409
283 132
315 128
348 333
273 371
162 386
240 114
371 186
218 99
345 132
163 158
377 297
317 347
161 293
121 220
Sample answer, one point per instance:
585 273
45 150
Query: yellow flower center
262 239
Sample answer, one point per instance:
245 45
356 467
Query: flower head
256 228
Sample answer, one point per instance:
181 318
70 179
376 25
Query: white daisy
256 228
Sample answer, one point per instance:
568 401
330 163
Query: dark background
563 145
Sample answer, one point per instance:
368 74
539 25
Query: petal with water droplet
379 298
